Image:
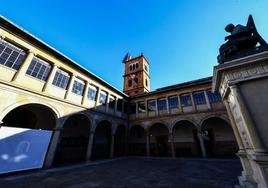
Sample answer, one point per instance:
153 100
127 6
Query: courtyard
134 172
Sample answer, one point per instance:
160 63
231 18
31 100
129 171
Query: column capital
2 36
32 51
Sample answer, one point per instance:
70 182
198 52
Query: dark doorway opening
102 141
73 142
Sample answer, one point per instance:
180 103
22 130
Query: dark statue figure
243 41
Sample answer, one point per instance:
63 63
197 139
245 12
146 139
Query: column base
245 183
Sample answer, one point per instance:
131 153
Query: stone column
97 97
23 68
179 104
137 110
107 102
251 130
247 172
112 146
156 108
171 139
148 144
52 148
53 143
207 99
167 105
192 99
146 108
202 145
90 146
70 86
84 98
50 78
115 104
126 140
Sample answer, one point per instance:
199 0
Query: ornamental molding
244 73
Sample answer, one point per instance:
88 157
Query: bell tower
136 75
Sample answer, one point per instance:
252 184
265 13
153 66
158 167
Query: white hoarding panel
22 149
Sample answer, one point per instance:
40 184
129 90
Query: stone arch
221 116
137 140
74 139
13 106
98 121
29 126
159 140
218 137
102 140
183 119
185 137
158 122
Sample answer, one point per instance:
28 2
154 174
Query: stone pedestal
243 85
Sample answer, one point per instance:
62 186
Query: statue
243 41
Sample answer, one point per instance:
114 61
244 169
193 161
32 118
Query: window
173 102
129 83
111 102
132 108
78 87
103 98
186 100
92 93
39 69
10 55
151 105
119 105
133 66
162 104
61 79
146 68
141 107
199 98
146 82
213 97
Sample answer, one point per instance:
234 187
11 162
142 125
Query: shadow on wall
30 135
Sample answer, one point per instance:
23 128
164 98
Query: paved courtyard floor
134 173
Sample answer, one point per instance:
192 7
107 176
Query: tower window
137 65
129 83
146 82
130 67
146 68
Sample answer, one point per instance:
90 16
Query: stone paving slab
135 172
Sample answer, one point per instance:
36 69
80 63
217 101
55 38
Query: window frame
21 55
36 66
62 82
80 82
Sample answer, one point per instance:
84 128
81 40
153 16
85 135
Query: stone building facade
42 89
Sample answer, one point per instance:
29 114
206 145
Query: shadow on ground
135 173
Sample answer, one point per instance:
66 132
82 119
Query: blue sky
180 38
